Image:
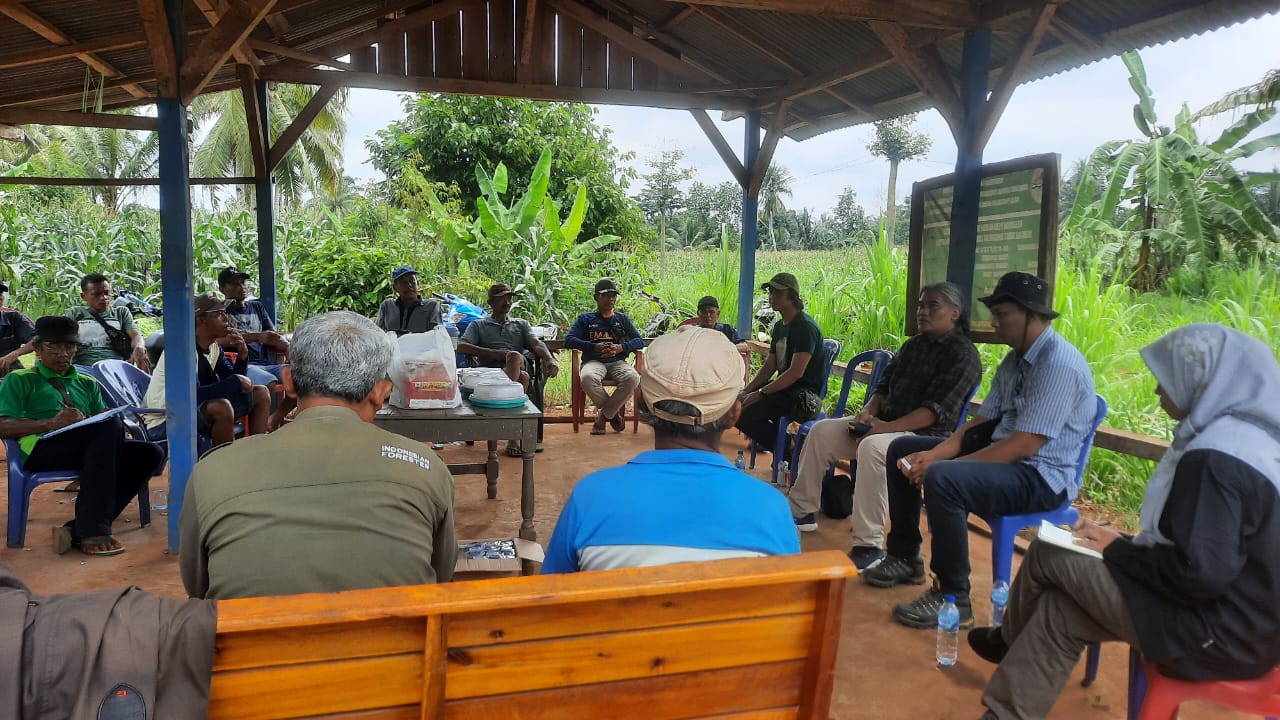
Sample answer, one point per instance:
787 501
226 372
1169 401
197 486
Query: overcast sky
1070 114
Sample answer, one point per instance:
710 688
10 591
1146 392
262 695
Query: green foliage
448 136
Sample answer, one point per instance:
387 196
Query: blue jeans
952 490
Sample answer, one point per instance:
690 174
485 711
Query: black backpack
837 496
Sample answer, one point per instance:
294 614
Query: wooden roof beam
164 58
253 119
955 14
679 101
284 51
23 116
771 137
211 13
300 123
678 18
1003 89
1071 32
241 17
409 21
628 40
62 52
33 22
688 52
721 145
926 68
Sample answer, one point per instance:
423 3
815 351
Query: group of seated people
330 502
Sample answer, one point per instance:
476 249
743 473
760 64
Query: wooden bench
744 639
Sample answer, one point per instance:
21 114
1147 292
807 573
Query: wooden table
470 422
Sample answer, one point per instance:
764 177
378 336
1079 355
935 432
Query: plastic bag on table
424 373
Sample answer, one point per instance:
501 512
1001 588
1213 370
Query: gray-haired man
328 502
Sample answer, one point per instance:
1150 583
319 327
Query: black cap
4 287
708 301
607 286
231 275
57 328
1029 291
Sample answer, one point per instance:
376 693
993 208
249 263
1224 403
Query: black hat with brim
56 328
1025 289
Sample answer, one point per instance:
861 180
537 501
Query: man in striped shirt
1016 456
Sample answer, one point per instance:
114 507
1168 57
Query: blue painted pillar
266 215
176 282
750 214
962 254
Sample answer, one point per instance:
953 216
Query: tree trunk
891 211
662 242
1141 279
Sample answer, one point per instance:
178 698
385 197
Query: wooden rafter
678 18
767 148
627 40
33 22
212 10
921 13
300 123
253 119
61 52
382 11
926 69
713 134
526 38
1071 32
1003 90
284 51
409 21
241 17
680 101
691 55
164 59
23 116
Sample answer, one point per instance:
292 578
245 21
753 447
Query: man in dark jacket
16 331
605 338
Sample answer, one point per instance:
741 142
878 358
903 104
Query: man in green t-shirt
53 395
790 381
100 322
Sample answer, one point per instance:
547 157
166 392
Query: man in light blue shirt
1016 456
681 501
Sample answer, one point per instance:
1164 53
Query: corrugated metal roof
757 53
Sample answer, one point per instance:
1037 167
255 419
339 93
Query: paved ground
885 671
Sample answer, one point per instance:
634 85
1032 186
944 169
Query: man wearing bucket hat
1016 456
53 395
681 501
407 312
790 380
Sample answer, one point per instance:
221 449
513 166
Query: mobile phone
858 429
904 464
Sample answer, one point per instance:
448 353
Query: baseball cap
782 281
708 301
230 275
607 286
4 287
402 271
694 365
499 289
57 328
207 303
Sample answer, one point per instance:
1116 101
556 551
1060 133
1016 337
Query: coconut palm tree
777 184
314 162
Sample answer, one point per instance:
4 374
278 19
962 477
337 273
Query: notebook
1055 535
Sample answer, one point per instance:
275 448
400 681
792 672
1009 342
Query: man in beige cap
681 501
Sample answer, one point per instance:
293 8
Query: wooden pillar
750 212
964 205
177 284
265 196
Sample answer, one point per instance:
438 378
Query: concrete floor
885 670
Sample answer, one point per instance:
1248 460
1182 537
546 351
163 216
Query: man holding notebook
36 402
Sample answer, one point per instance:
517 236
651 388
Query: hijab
1228 384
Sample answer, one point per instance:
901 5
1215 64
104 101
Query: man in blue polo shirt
1016 456
605 338
681 501
16 330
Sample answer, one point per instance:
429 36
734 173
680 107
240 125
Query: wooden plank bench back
745 639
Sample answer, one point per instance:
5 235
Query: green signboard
1017 230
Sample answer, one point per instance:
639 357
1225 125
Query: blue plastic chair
1005 527
21 483
125 385
830 351
879 360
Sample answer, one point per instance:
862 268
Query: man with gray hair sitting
681 501
328 502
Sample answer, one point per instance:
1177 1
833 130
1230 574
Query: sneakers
865 557
988 643
891 571
807 523
923 611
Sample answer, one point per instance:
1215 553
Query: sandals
100 545
598 427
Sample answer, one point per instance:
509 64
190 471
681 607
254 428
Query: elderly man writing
681 501
328 502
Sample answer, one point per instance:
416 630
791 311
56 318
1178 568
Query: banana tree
1172 194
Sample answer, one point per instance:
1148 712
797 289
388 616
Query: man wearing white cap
682 501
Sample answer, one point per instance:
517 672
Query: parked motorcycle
661 321
765 318
137 305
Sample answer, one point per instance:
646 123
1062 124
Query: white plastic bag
424 371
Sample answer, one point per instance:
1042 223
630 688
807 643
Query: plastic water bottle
784 475
999 600
160 500
948 632
740 462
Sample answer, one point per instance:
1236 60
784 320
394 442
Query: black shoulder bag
121 343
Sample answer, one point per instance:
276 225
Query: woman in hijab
1197 591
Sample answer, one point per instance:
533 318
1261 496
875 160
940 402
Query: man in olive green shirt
328 502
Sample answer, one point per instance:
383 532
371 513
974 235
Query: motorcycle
137 305
765 318
661 321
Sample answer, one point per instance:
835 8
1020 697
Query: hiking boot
806 523
618 422
988 643
923 611
891 571
865 557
